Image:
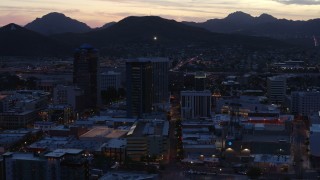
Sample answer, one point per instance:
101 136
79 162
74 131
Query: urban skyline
154 98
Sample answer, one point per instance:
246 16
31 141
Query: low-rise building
148 138
305 103
20 108
69 95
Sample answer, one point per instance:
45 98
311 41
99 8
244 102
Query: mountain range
19 41
55 33
236 23
263 25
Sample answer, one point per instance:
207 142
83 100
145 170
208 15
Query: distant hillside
107 25
18 41
169 32
56 23
263 25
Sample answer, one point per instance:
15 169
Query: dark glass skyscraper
139 87
200 81
86 74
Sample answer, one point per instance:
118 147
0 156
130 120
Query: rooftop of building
265 138
199 146
104 132
151 59
278 78
203 123
307 93
128 176
62 152
275 159
7 141
200 75
192 93
115 143
50 143
18 101
58 106
109 118
44 123
85 145
61 128
250 103
149 127
23 156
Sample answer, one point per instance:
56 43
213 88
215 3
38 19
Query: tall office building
276 89
200 81
153 84
305 103
160 68
86 74
195 104
139 87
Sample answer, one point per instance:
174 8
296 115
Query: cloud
300 2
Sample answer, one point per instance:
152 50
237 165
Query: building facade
160 70
69 95
195 104
86 74
139 87
148 138
276 89
110 79
305 103
200 81
147 82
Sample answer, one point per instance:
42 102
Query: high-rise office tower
153 76
139 87
160 68
276 87
200 81
86 74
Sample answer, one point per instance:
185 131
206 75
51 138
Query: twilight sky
98 12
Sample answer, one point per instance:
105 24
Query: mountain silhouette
18 41
55 23
144 29
264 25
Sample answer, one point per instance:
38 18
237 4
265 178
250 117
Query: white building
276 89
305 103
69 95
195 104
110 79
